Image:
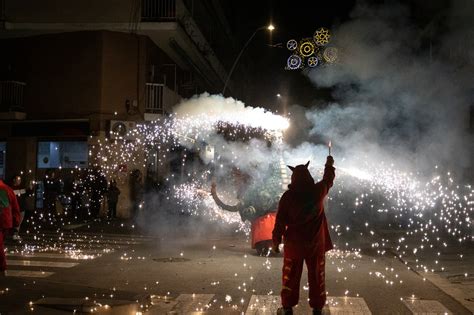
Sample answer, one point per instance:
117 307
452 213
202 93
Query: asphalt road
213 272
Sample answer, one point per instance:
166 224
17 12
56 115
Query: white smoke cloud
215 108
393 101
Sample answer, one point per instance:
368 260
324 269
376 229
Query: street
56 272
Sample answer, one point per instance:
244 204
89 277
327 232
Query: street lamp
283 100
269 27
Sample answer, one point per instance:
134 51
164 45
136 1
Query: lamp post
269 28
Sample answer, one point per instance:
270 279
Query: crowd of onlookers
78 195
70 196
82 194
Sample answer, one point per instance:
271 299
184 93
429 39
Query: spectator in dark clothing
136 191
21 193
52 188
112 199
79 197
96 183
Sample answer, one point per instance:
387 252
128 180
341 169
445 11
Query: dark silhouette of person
97 185
112 199
301 223
21 192
52 189
136 191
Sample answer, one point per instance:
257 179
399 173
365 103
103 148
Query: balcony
158 10
159 100
154 98
11 100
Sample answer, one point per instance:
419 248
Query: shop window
65 154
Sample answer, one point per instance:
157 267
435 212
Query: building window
64 154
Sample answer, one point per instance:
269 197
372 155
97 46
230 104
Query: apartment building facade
71 70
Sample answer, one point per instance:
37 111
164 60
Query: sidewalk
450 268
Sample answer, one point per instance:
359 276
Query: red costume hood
301 179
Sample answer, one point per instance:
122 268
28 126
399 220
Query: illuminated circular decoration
306 48
321 36
292 44
313 61
293 62
330 54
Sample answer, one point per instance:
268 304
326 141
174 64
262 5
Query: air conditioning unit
122 129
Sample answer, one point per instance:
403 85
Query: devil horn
307 164
291 168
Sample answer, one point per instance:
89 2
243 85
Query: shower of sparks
369 201
431 213
399 213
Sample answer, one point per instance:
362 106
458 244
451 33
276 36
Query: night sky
261 69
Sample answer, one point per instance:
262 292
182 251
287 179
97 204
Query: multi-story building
71 70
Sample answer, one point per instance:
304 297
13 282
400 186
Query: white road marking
40 263
74 256
425 307
183 304
347 305
28 273
263 304
268 304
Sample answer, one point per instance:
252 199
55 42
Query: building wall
123 75
79 74
20 152
38 17
87 75
62 73
68 11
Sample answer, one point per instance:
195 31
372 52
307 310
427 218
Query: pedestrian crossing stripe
78 240
90 236
67 255
183 304
419 307
41 263
347 305
70 248
74 242
28 273
263 304
268 304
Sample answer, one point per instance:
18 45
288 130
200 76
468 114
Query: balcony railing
11 96
154 98
158 10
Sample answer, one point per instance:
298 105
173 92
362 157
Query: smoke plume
396 100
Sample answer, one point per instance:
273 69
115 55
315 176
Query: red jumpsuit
9 218
302 224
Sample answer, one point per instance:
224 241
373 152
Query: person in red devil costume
302 224
9 218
